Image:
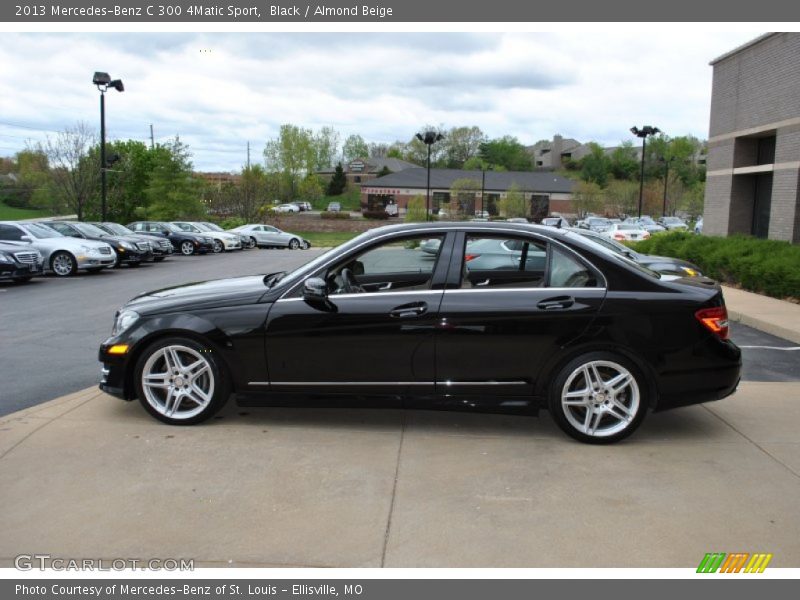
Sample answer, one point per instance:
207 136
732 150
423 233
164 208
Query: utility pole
152 138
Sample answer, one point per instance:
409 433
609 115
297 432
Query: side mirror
25 238
315 290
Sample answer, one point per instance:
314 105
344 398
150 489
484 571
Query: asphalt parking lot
52 327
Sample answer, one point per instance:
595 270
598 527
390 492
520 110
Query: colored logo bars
737 562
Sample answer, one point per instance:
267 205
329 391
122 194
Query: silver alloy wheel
178 382
252 243
294 244
600 398
218 247
62 264
187 248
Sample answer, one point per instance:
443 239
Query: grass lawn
327 238
350 200
9 213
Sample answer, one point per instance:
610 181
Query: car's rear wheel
63 264
294 244
180 381
187 248
218 247
599 398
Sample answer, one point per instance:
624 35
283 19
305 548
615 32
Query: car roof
437 226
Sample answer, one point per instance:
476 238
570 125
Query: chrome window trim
526 289
387 383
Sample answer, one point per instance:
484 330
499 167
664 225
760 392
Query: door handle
406 311
559 302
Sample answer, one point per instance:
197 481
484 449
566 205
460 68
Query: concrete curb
777 330
770 315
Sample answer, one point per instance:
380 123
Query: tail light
469 257
646 235
715 320
619 236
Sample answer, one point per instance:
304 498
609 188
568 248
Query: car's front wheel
252 242
180 381
599 398
187 248
63 264
294 244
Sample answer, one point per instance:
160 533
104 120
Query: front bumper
134 256
112 374
17 270
90 261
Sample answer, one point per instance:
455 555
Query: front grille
143 246
206 240
29 258
105 250
165 244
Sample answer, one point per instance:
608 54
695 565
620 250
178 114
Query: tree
462 196
338 182
326 148
354 147
587 198
461 144
623 162
172 192
595 166
292 153
415 211
30 185
514 203
73 176
622 197
506 152
310 188
129 178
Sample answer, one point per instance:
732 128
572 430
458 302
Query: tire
187 248
201 392
63 264
294 244
597 410
218 247
253 243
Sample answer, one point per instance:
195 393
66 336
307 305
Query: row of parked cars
28 249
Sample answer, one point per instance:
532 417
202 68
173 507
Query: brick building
365 169
754 140
545 192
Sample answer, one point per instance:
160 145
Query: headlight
86 249
126 245
124 320
5 258
690 272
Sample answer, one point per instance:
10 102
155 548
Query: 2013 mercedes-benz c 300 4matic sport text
547 319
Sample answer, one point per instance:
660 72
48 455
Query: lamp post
483 186
666 162
103 82
429 138
643 133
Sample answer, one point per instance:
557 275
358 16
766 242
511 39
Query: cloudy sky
217 91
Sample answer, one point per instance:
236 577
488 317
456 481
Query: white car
626 231
222 240
62 255
267 236
285 208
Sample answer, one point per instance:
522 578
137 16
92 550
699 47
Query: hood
205 294
69 243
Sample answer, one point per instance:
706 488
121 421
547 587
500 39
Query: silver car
62 255
267 236
222 240
245 241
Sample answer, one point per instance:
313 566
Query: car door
272 236
377 339
498 326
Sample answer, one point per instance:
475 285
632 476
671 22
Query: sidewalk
770 315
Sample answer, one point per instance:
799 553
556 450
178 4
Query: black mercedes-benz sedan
556 322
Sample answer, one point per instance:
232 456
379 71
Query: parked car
482 214
661 264
626 231
303 206
334 207
129 251
19 262
518 220
646 223
160 246
698 226
559 222
599 224
243 239
593 337
64 256
184 242
673 224
285 208
222 240
267 236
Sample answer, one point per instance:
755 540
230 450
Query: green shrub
232 222
375 214
416 211
334 215
768 267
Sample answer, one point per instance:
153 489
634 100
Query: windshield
89 229
672 220
596 221
618 256
171 227
202 227
40 231
116 228
628 226
213 227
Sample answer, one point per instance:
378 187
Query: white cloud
382 86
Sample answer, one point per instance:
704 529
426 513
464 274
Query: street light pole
643 133
103 82
429 138
666 179
483 190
